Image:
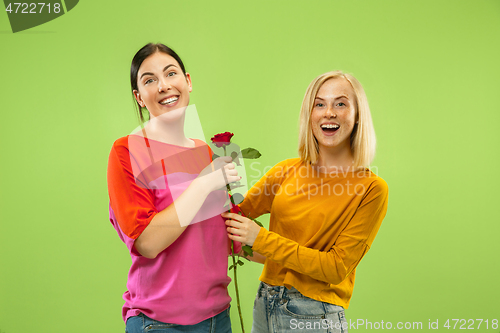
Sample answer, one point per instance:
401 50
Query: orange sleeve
132 204
335 265
259 199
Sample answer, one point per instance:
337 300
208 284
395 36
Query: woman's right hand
218 174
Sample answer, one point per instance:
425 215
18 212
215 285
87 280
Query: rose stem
235 266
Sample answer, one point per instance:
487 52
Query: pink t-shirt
187 282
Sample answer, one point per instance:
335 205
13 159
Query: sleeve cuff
260 240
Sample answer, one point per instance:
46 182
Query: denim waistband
280 291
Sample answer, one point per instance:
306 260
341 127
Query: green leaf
257 222
250 153
231 267
214 156
248 250
234 156
238 198
241 263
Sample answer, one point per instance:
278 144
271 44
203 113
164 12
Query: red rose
236 209
222 139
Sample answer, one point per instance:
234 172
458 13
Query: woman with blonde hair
326 208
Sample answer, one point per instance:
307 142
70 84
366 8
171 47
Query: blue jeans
217 324
278 309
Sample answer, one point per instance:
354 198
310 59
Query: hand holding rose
241 229
219 173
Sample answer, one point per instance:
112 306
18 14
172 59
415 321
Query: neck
168 129
337 158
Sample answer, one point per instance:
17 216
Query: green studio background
430 69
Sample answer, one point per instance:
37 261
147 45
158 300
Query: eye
341 104
148 81
171 73
320 105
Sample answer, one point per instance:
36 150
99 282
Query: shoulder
289 163
127 148
379 182
376 186
284 167
121 143
119 154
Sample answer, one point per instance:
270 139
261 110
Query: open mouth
330 128
169 101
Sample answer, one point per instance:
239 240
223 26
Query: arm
258 201
168 225
134 207
257 257
332 266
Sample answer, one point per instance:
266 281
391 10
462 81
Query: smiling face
162 85
334 115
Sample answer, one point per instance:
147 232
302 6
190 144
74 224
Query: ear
138 98
188 79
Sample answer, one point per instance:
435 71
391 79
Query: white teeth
169 100
330 126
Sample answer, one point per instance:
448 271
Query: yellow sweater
321 226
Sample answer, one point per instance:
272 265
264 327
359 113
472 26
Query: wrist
259 231
200 185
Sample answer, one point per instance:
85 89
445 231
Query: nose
330 113
163 85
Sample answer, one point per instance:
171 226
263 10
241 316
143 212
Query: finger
241 218
237 238
230 166
233 179
230 223
230 215
233 223
234 231
232 173
226 159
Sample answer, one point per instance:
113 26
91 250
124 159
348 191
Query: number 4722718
31 8
470 324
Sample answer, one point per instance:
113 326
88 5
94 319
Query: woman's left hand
241 229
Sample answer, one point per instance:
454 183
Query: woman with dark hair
326 208
165 205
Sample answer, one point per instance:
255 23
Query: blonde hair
363 135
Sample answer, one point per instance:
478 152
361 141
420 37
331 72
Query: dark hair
139 57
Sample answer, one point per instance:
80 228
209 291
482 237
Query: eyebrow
339 97
164 69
